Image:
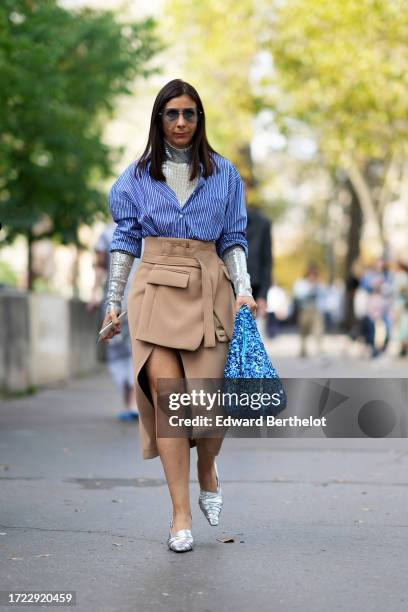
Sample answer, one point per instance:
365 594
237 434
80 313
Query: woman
187 202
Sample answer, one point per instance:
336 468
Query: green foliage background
61 72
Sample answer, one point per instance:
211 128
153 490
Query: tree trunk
353 253
30 271
359 180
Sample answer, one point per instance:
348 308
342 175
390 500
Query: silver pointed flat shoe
181 541
211 502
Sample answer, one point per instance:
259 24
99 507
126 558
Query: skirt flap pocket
171 278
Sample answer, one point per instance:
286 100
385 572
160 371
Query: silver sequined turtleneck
176 169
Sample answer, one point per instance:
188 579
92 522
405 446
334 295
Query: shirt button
181 215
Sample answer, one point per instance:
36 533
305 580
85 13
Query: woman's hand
115 329
249 301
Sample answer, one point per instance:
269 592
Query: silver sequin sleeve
119 270
235 260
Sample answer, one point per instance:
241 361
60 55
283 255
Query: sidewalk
319 524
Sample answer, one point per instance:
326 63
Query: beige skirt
181 297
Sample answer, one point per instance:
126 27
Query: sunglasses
189 114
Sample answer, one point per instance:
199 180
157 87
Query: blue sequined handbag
248 370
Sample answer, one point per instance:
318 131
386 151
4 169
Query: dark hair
154 151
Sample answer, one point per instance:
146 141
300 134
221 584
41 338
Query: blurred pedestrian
309 293
259 254
334 306
277 308
187 201
378 282
375 329
400 307
118 351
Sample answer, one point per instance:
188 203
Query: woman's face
179 131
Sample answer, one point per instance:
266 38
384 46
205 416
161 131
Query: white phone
107 327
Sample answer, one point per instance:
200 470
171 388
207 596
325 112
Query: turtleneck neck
178 155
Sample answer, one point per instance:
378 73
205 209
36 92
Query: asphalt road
318 524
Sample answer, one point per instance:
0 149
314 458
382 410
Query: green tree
341 66
61 72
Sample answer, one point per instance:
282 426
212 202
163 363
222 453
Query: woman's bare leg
174 452
207 449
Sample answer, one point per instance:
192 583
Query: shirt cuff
126 244
228 240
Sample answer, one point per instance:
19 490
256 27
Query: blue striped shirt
215 211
